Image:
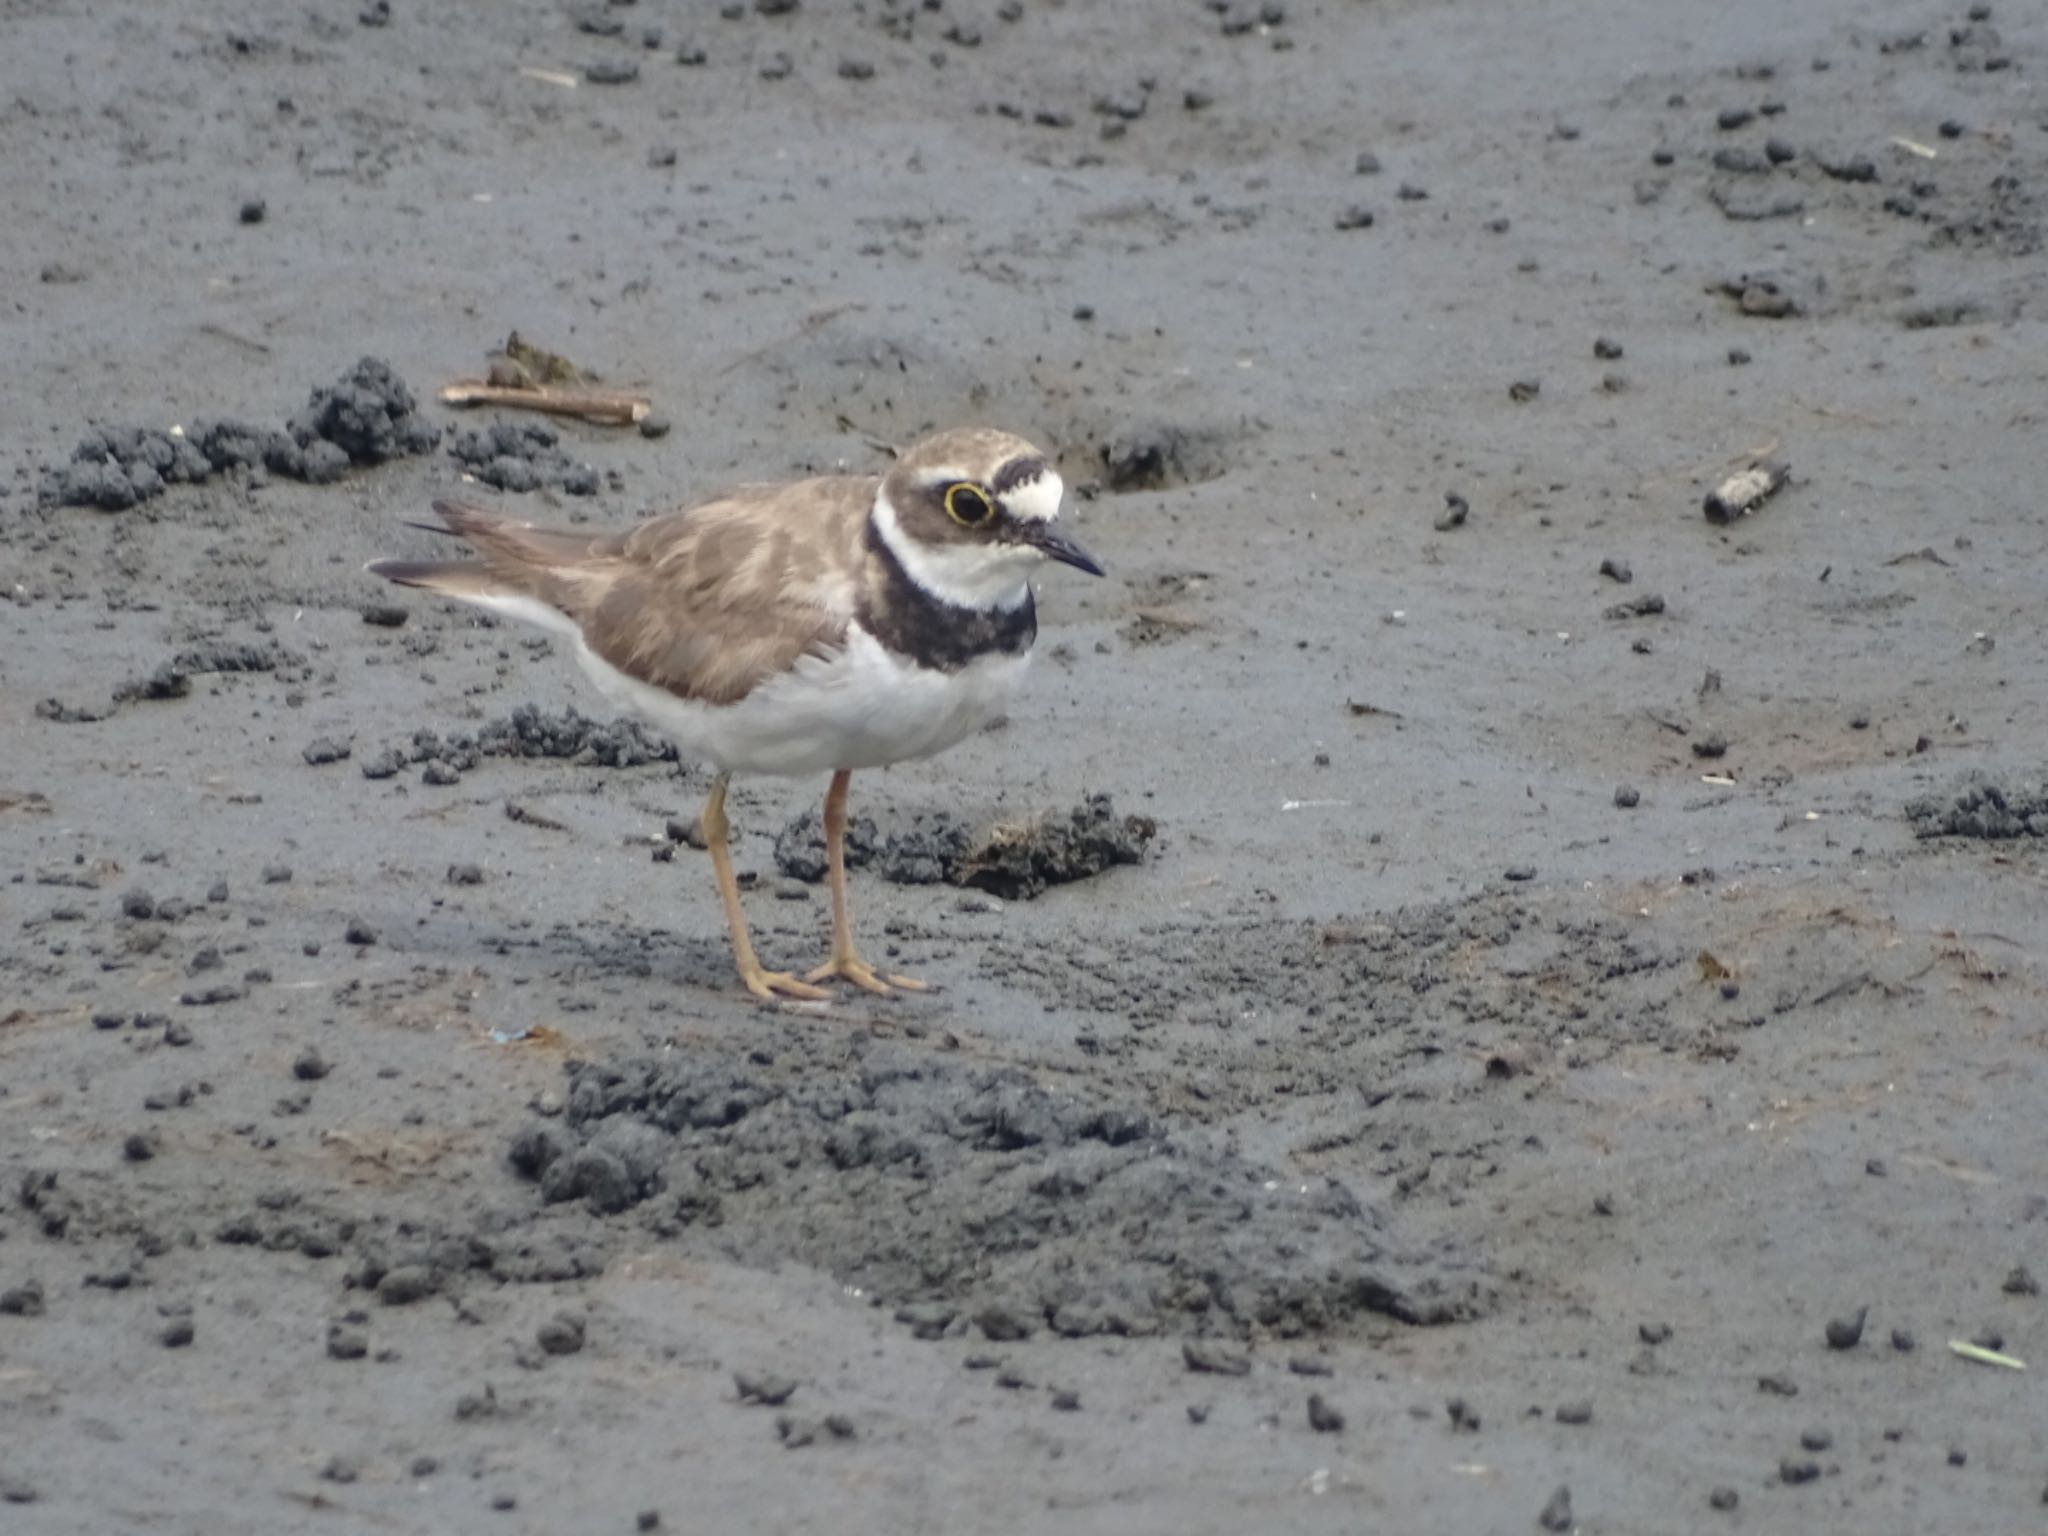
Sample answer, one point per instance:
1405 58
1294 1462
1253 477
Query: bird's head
972 513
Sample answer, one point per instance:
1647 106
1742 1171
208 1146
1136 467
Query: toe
770 986
862 975
852 969
856 970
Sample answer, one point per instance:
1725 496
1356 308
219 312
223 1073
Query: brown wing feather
706 602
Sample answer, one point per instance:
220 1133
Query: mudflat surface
1548 998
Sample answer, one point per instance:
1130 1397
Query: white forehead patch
1037 500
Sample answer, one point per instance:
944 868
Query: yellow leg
845 962
762 983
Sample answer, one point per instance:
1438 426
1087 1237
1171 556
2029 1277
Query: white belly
859 709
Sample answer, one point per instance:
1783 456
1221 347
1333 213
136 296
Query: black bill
1058 546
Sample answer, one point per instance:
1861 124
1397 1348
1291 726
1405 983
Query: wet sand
1581 951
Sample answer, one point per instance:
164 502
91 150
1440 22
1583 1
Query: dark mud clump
172 679
800 846
1015 861
1983 807
533 732
565 735
522 456
368 416
116 467
1019 862
430 1252
1010 1206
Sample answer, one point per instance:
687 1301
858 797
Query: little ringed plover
819 625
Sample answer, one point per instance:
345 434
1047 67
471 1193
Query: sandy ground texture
1545 1030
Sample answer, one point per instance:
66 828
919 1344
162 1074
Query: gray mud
1016 1209
1423 1039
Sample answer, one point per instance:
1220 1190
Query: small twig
1846 987
208 328
1669 722
514 811
1983 1356
607 407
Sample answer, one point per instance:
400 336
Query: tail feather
518 544
467 579
525 572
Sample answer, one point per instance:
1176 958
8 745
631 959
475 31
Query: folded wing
704 603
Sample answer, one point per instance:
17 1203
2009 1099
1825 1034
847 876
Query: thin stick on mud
607 407
1983 1356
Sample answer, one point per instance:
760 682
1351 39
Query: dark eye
968 504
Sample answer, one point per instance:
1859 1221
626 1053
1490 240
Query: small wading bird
819 625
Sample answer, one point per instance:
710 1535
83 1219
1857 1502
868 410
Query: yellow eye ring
968 504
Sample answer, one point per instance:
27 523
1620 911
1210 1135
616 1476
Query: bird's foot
850 967
770 986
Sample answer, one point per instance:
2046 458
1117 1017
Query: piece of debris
1646 606
1742 493
764 1387
1846 1332
796 1433
1983 1356
530 378
1764 298
525 814
1155 623
1925 554
1215 1358
606 407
